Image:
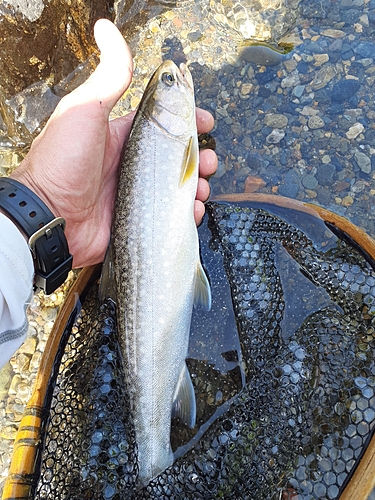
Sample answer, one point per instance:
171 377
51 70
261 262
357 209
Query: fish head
169 100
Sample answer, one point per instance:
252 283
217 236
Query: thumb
114 73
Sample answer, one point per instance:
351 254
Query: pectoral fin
190 163
184 405
202 293
107 278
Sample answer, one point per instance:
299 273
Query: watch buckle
45 231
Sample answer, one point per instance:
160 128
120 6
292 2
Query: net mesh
286 406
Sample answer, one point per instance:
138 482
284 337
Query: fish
152 269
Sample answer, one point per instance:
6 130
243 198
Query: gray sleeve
16 279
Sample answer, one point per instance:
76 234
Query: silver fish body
155 261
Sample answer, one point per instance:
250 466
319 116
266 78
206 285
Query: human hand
73 164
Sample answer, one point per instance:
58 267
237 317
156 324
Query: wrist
44 232
22 175
18 227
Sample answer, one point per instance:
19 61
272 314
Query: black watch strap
47 241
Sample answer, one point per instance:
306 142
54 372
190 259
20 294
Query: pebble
298 91
365 49
359 186
290 65
292 80
247 88
253 184
290 186
48 314
342 186
8 432
320 59
260 54
16 380
5 380
28 347
35 360
347 201
363 161
315 122
325 173
344 90
274 120
309 182
221 170
355 130
332 33
309 111
311 194
275 136
323 77
20 363
24 392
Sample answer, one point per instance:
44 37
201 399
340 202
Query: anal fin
184 404
202 292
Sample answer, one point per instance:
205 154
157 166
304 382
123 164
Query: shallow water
302 124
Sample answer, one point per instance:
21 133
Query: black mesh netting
283 368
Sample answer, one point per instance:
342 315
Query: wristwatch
47 242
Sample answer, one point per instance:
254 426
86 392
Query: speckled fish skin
156 260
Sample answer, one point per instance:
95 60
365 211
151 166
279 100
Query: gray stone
237 129
325 173
260 54
292 80
309 181
344 90
291 184
336 45
298 91
323 76
324 195
275 120
275 136
315 122
365 49
363 161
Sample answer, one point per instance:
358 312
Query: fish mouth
186 75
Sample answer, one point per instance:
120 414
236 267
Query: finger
207 162
205 121
203 190
115 70
198 212
114 73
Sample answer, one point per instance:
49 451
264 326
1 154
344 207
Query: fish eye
167 78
